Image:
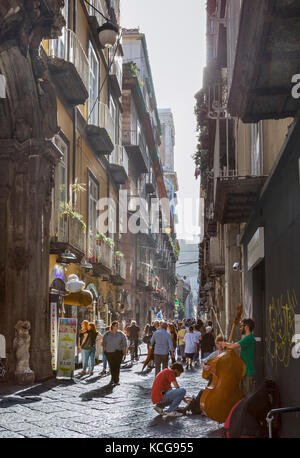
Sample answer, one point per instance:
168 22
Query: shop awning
81 299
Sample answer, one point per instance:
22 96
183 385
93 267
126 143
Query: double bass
223 392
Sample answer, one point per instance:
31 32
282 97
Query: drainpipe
74 113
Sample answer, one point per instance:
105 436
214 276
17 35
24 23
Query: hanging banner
53 334
66 347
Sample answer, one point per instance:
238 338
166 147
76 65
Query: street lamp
108 34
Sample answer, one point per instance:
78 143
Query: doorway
259 316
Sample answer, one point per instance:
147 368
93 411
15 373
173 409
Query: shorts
189 355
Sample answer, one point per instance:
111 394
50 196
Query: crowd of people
184 343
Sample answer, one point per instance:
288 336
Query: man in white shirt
190 346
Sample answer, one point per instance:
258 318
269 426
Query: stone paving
88 408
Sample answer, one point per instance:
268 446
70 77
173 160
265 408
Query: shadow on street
98 393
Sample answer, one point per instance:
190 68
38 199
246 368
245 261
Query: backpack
194 406
247 417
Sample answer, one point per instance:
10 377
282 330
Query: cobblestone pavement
88 408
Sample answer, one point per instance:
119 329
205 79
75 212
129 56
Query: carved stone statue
23 373
28 121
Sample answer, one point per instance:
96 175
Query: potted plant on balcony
110 242
119 254
100 237
66 211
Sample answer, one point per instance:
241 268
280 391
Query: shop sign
66 347
256 248
53 334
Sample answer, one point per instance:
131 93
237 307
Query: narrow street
88 408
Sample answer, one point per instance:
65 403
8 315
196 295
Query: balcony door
93 105
93 197
113 112
59 46
256 149
60 194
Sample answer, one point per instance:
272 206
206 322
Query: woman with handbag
88 348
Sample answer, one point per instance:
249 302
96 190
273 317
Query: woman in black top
88 348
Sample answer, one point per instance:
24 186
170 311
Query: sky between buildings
175 32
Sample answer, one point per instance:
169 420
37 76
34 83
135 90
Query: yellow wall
274 133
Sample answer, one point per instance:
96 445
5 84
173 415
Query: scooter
270 416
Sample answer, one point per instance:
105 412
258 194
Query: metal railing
92 12
100 252
100 115
116 69
70 230
143 273
150 179
135 138
119 157
120 264
68 47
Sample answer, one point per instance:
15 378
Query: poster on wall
53 334
66 347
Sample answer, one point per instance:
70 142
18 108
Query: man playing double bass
247 354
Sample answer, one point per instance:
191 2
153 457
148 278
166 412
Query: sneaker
159 410
91 373
174 414
82 373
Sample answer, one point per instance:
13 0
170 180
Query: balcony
70 236
95 19
119 274
267 56
101 256
135 146
150 183
100 128
143 275
115 78
69 67
236 197
118 164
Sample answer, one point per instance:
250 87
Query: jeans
196 355
160 360
172 398
181 352
206 354
104 360
88 359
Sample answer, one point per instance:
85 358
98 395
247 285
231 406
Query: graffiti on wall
281 314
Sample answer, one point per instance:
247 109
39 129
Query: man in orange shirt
162 394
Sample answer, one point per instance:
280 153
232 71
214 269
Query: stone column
28 118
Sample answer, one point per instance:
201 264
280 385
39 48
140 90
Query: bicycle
131 350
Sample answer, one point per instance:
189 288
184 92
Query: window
58 46
93 196
94 87
256 148
60 195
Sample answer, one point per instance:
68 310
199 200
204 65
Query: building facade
249 164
